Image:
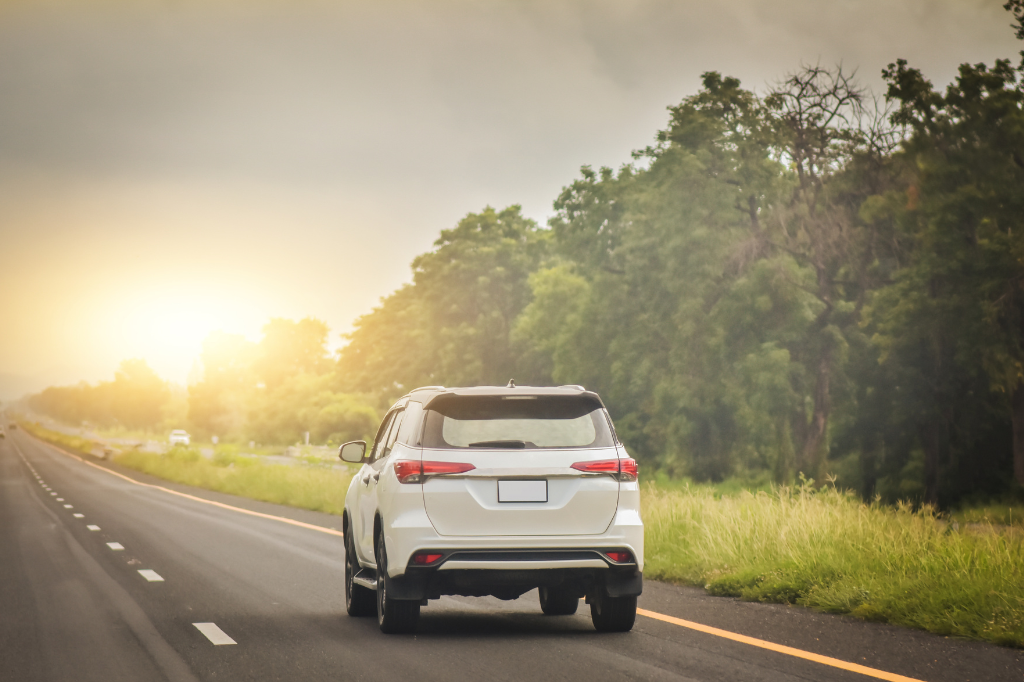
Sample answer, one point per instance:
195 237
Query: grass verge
827 550
83 445
316 487
319 488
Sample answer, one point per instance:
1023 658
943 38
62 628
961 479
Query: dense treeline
270 392
137 398
809 281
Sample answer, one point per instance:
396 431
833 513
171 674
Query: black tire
359 601
395 617
613 614
558 602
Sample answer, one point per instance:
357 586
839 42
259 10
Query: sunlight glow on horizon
166 325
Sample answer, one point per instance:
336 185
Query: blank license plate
522 491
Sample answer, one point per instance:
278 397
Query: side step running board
366 577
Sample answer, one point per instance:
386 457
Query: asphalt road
74 607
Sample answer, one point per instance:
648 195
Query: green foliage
135 399
825 549
454 324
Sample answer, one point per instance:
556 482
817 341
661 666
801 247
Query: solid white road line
116 546
214 633
92 527
79 516
151 576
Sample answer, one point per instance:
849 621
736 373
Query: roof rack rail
427 388
572 386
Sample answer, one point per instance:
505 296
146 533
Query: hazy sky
169 168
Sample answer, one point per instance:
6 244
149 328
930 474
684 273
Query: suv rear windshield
516 422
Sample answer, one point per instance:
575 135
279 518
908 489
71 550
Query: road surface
106 577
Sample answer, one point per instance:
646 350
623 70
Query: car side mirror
352 452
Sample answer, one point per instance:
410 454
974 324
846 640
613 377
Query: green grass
995 514
825 549
78 443
315 485
319 488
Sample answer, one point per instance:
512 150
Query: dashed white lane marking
78 516
116 546
92 527
214 633
60 499
291 522
54 494
69 506
151 576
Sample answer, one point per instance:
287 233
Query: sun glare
166 327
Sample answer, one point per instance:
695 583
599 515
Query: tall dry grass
826 549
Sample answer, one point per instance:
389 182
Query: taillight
628 469
430 468
415 472
620 557
425 558
408 472
620 469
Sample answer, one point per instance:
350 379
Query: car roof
425 394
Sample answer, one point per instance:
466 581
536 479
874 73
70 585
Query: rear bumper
422 583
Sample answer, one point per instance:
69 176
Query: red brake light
424 558
621 469
446 467
408 471
628 469
602 466
620 557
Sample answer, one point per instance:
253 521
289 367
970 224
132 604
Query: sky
170 168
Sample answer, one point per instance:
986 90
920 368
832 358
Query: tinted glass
506 422
382 432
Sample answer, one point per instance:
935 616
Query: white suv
494 491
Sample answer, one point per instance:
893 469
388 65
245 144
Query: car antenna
511 383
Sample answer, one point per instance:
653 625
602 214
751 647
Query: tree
453 324
966 217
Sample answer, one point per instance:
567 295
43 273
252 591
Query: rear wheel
394 616
558 602
359 600
613 614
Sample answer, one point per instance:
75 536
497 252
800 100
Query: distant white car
179 437
494 491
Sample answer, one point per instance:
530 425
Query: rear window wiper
510 444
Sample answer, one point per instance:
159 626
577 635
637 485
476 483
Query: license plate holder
523 491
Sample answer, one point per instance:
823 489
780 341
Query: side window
410 432
382 432
396 426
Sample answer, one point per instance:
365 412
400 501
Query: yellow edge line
291 522
788 650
